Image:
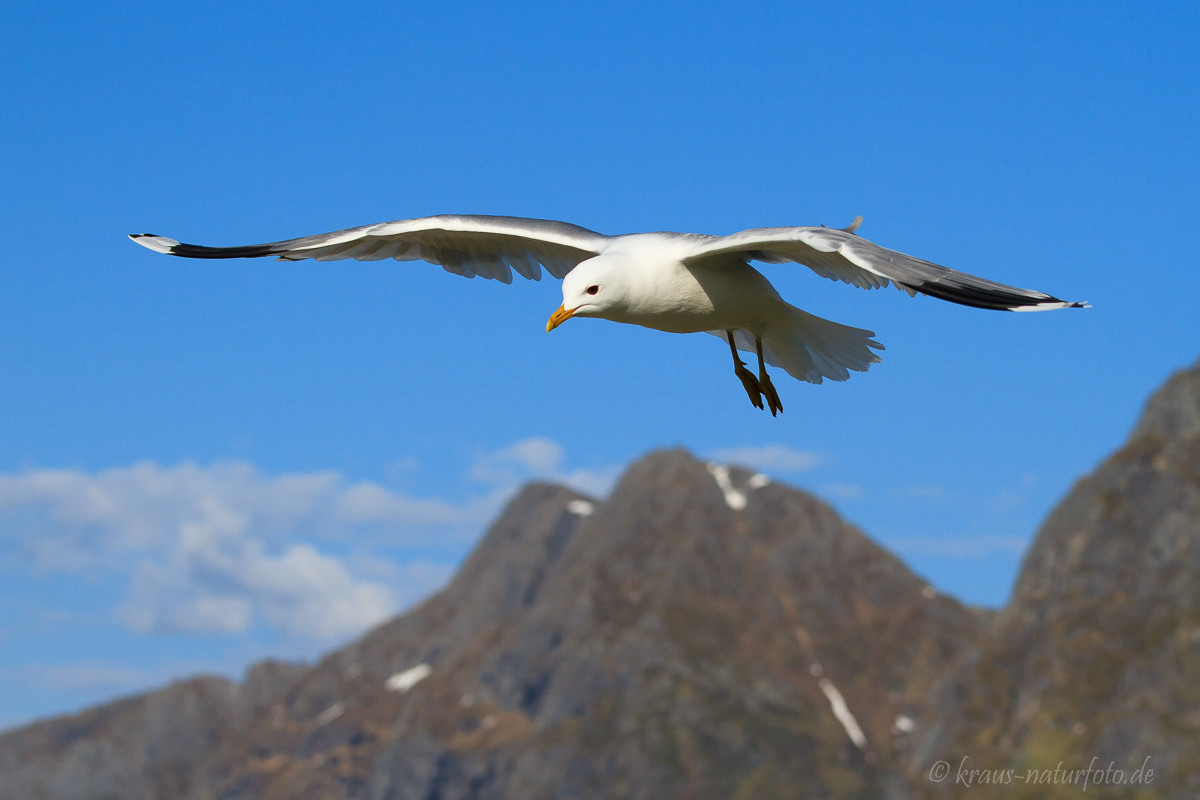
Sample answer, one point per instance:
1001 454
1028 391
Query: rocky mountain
701 633
143 747
705 633
1096 658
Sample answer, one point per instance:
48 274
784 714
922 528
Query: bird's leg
764 381
746 376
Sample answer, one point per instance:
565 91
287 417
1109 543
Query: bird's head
589 290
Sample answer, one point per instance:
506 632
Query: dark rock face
704 633
1173 412
141 748
701 633
672 653
1098 653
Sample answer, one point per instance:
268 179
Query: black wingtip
161 244
995 297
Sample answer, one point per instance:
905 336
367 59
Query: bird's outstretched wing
490 247
840 255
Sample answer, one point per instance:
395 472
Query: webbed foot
750 383
768 390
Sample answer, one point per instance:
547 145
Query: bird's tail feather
811 348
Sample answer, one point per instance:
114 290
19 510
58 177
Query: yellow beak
558 318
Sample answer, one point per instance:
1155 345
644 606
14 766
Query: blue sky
205 463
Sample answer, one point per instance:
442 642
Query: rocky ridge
1095 659
704 632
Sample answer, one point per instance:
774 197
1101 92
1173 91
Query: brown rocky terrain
1097 655
706 633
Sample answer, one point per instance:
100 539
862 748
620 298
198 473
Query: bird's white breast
666 295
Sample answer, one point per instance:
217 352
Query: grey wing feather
467 245
840 255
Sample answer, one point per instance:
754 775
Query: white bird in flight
675 282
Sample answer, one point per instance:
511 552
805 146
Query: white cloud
538 458
225 585
224 548
221 548
776 458
70 520
843 491
970 546
217 576
368 502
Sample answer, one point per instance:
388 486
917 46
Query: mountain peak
1095 655
700 631
1174 410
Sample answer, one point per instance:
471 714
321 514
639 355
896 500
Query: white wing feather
488 247
493 247
840 255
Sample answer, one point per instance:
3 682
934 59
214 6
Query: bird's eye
593 289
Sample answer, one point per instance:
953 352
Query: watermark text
1096 773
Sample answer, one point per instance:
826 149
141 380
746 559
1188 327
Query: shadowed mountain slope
701 633
705 633
1097 655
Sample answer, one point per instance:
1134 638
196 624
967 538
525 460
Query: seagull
674 282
